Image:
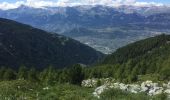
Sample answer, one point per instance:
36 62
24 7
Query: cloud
6 5
144 4
54 3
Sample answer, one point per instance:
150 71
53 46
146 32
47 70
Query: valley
84 52
103 28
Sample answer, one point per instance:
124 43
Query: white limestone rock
100 90
134 88
168 85
89 83
123 87
167 91
155 91
148 87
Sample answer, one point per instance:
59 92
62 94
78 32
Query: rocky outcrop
89 83
148 87
93 82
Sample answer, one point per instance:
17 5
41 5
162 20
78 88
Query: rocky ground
149 87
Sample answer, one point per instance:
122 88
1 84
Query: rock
168 85
46 88
123 87
164 85
100 90
151 88
167 91
155 91
89 83
144 87
93 82
148 87
116 85
134 88
107 80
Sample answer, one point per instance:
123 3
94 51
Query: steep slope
149 57
139 49
24 45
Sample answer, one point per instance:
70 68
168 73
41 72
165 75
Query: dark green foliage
137 49
147 57
98 83
32 75
24 45
76 74
48 76
9 74
2 71
22 73
165 74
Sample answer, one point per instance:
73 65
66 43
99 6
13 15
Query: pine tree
2 71
22 73
9 74
75 74
32 75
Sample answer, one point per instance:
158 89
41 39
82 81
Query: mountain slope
105 28
24 45
138 49
145 58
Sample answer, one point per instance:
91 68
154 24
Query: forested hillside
149 57
24 45
146 59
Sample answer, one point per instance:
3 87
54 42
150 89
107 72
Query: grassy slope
20 89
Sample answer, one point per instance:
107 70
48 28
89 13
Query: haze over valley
102 27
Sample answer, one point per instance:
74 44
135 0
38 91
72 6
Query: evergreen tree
2 71
32 75
9 74
22 73
75 74
48 76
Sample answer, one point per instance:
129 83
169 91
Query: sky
9 4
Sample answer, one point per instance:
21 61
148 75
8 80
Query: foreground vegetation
26 90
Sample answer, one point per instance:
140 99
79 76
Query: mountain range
104 28
22 44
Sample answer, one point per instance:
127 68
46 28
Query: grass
115 94
24 90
